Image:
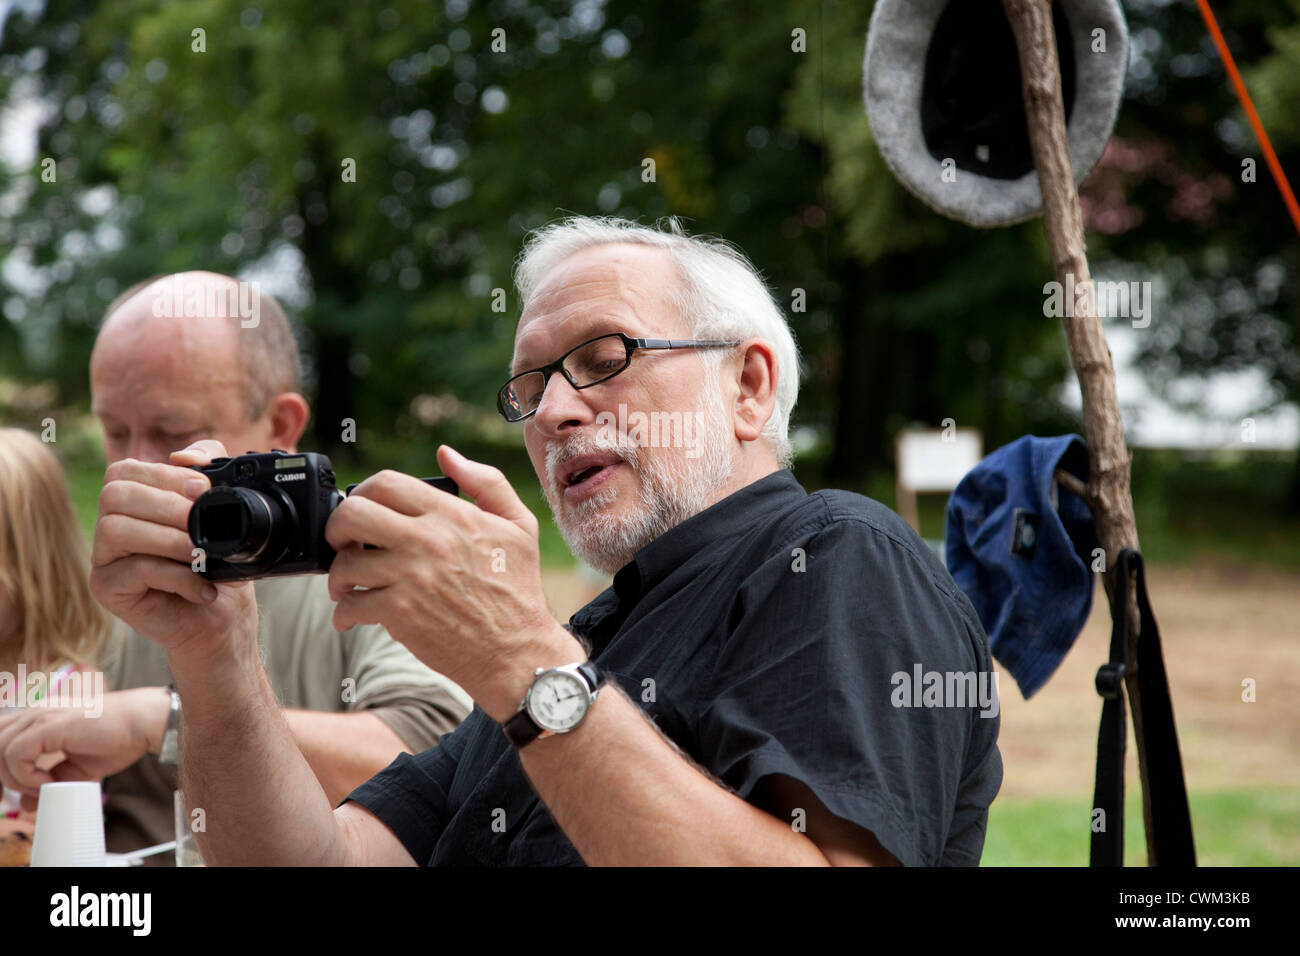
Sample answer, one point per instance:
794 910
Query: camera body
265 515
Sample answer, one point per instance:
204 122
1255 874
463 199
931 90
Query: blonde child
49 624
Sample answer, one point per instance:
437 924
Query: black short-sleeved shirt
776 632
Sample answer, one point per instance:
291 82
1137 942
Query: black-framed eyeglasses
594 361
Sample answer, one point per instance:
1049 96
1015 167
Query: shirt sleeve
805 686
418 703
412 794
419 715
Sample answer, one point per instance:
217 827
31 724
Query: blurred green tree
467 124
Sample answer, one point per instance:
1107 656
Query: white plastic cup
69 825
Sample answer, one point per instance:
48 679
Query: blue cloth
1025 565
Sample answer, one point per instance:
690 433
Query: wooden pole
1108 491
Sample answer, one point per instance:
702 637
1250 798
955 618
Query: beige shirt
311 667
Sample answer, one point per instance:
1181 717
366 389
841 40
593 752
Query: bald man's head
195 355
267 348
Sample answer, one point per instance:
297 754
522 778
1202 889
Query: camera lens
238 525
224 523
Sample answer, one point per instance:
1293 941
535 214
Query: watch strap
521 729
592 674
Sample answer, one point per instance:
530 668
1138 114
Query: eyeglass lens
586 365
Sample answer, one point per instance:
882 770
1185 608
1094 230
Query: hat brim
893 75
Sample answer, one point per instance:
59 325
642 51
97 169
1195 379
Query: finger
12 719
182 481
487 486
50 759
145 501
401 493
140 581
29 803
363 520
68 771
28 780
360 607
20 755
199 453
119 536
9 732
355 568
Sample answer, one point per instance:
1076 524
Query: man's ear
756 398
288 415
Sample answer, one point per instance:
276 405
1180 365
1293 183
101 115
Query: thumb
487 486
68 771
199 453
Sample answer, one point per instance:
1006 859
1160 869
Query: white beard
672 488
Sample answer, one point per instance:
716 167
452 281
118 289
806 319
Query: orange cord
1269 156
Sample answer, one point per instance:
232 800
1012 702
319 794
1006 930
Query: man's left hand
459 584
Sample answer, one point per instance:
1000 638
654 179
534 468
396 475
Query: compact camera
265 514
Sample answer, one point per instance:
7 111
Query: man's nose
562 406
144 448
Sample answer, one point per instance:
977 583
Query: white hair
721 296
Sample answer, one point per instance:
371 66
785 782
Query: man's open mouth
583 475
579 474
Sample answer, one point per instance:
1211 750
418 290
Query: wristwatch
558 700
169 752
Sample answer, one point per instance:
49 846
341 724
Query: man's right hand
141 561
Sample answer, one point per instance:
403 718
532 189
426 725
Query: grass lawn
1231 828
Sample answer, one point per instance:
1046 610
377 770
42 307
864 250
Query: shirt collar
731 516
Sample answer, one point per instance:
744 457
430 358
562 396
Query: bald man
180 359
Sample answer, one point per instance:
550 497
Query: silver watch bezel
570 671
169 748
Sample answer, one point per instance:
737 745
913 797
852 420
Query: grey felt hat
942 87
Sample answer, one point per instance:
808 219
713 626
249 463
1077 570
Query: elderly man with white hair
731 699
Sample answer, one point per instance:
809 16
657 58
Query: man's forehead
622 265
134 331
165 366
187 311
187 354
152 403
607 288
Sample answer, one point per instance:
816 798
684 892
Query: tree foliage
469 123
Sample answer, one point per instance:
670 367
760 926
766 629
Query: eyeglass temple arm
679 343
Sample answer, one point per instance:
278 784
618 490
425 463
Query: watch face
558 701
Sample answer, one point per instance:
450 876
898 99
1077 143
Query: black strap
1108 798
521 729
593 675
1171 822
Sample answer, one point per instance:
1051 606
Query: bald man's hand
141 561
